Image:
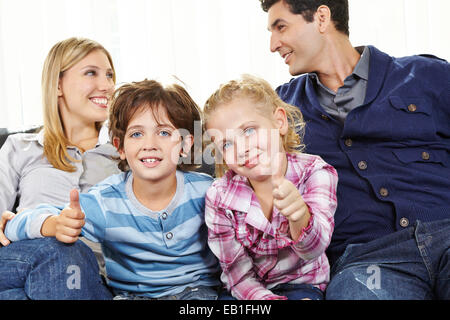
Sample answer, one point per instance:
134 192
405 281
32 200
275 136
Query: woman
72 150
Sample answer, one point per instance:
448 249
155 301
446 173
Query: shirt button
425 156
404 222
362 165
348 142
412 108
164 215
169 235
384 192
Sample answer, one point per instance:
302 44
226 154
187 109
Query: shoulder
196 183
289 88
114 183
304 165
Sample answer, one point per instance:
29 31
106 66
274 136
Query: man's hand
69 222
6 216
288 200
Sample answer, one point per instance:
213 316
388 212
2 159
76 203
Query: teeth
102 101
149 160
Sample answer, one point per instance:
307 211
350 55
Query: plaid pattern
255 254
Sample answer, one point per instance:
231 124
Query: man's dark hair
307 8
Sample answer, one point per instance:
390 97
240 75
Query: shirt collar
238 194
103 135
361 69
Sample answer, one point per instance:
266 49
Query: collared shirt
351 94
255 254
392 154
148 253
26 173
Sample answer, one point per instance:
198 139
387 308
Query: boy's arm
48 221
66 226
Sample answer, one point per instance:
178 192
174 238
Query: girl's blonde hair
62 57
266 101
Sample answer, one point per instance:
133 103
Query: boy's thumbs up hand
70 221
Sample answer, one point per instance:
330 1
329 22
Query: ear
281 121
116 143
323 18
188 142
60 93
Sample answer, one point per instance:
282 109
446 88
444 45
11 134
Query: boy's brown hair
135 97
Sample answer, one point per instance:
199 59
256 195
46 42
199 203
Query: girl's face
85 89
248 140
152 147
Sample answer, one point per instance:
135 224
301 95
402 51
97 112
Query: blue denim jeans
46 269
197 293
291 291
411 264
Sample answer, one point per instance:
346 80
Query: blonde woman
71 151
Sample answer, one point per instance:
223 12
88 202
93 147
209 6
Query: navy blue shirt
392 153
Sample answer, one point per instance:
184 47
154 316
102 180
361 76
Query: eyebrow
94 67
138 127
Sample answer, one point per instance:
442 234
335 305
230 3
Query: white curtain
201 42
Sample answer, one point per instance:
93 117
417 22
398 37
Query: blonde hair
62 56
266 101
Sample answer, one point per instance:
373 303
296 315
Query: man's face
297 41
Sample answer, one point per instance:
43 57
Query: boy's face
152 148
248 140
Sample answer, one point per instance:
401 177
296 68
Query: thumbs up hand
69 222
288 200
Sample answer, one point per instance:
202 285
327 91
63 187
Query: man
384 124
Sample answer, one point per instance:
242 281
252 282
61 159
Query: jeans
46 269
291 291
411 264
197 293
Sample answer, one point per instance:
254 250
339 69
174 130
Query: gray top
26 173
351 94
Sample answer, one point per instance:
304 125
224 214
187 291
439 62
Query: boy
149 219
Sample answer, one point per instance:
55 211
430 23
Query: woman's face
85 90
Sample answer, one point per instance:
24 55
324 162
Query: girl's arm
237 265
315 228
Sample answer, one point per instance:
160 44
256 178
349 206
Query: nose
149 143
275 42
105 83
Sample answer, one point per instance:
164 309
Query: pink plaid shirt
255 254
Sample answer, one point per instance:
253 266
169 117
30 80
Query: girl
71 151
270 216
150 218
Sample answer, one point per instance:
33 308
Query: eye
90 73
136 134
165 133
110 75
281 27
249 131
226 145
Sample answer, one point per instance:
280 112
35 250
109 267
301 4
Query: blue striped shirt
149 253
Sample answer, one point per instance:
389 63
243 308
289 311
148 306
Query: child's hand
6 216
288 200
70 221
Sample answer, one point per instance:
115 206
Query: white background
201 42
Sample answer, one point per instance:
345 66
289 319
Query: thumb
75 199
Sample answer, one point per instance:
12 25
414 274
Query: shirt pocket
422 156
411 118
